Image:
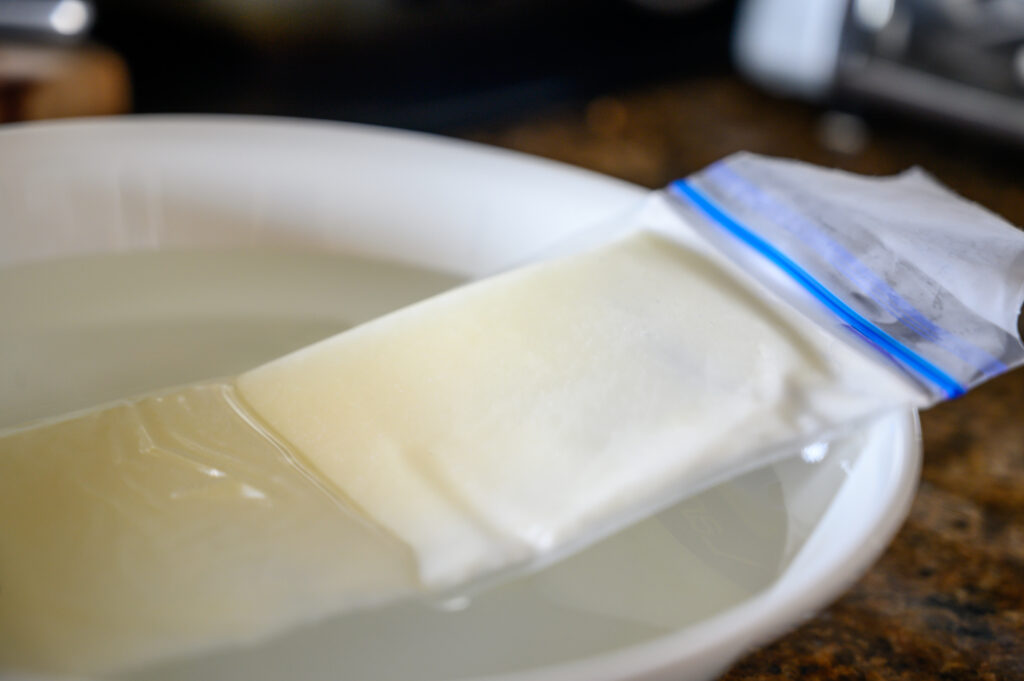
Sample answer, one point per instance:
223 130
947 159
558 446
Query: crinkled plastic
931 282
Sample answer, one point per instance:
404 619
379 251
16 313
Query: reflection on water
687 563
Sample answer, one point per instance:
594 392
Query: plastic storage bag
898 271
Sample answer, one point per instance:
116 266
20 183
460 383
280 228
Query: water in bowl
91 329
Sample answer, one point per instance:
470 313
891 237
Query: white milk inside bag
487 430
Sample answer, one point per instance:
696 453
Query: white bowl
186 182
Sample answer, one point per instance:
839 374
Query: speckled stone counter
946 601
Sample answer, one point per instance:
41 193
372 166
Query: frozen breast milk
492 427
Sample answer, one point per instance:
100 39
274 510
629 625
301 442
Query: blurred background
646 90
453 65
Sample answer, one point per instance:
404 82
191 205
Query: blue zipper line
855 271
883 341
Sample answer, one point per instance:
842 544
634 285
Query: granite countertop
946 601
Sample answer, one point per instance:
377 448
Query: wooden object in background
39 81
